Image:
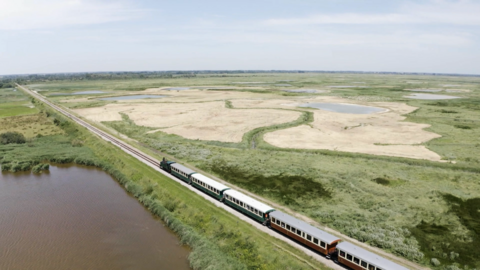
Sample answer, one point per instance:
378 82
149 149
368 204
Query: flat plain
218 239
405 180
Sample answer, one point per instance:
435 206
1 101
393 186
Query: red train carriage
303 232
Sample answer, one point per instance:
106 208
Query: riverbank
217 238
78 217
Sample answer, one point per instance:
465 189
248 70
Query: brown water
80 218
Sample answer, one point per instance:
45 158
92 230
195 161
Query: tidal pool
343 108
305 91
430 96
79 217
215 88
78 93
176 88
132 97
346 86
425 90
249 82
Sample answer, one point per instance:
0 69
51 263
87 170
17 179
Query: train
332 247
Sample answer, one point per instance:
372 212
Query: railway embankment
219 240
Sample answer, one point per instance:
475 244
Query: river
77 217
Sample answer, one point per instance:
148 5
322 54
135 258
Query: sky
49 36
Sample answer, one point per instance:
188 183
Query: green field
421 210
13 102
218 239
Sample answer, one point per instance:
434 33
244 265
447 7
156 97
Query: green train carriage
181 172
251 207
209 186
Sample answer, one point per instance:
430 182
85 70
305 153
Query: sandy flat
380 133
203 121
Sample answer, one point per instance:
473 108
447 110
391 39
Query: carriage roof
182 168
369 257
305 227
210 181
250 201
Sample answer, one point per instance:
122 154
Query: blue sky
97 35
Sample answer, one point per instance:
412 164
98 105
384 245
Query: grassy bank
218 239
398 204
388 202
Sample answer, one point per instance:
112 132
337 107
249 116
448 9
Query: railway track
156 165
95 130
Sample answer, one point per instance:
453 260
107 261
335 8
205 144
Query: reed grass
217 238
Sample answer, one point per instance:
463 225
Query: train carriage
249 206
304 233
360 259
209 186
181 172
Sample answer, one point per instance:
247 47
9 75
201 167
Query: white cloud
459 12
42 14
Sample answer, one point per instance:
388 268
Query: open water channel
79 217
344 108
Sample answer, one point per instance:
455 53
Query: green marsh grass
390 202
218 239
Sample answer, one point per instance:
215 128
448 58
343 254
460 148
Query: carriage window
278 222
273 219
322 244
342 254
288 227
283 225
293 229
315 240
256 211
309 238
356 260
363 264
349 257
371 267
260 214
299 232
241 204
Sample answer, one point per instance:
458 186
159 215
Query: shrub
447 111
435 262
463 126
12 137
453 255
40 167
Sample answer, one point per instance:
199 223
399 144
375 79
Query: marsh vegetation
422 210
217 239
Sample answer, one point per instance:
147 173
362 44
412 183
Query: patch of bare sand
204 121
378 134
73 100
194 95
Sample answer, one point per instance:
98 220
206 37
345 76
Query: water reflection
80 218
343 108
430 96
132 97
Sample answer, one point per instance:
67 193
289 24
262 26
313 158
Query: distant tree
12 137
